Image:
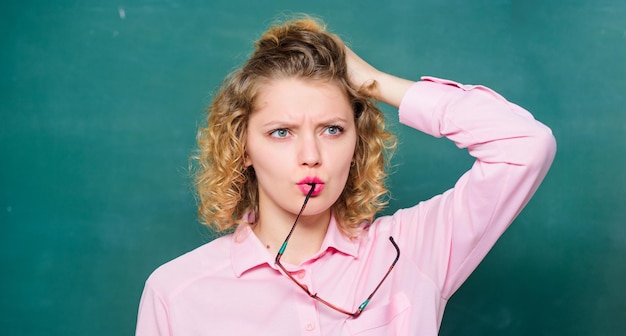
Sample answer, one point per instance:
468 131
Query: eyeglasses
305 288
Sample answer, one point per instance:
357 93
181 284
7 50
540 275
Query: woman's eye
279 133
334 130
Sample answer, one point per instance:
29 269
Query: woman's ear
246 160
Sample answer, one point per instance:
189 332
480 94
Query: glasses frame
305 288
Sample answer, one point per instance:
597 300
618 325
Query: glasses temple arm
281 251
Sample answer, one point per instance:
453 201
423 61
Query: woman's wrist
390 89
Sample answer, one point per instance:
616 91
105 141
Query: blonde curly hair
303 49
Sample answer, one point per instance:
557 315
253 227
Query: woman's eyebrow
279 123
332 120
284 123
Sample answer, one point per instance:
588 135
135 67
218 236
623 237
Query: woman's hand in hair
380 85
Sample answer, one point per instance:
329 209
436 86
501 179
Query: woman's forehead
293 95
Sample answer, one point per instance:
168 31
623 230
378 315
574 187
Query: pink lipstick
305 185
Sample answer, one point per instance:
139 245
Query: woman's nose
309 151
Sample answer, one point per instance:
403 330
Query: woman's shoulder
204 261
410 213
409 219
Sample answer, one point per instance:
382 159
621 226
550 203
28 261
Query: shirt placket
307 310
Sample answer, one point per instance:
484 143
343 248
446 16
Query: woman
292 164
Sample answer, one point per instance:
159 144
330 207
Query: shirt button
301 274
309 326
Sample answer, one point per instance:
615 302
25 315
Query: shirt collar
338 241
248 252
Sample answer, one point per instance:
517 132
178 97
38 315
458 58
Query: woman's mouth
307 183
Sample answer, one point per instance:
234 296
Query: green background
100 102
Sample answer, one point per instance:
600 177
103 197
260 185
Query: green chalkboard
100 102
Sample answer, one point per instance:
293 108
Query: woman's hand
360 73
381 86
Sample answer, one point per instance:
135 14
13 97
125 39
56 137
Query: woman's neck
305 241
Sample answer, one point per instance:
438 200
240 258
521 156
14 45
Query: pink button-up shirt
231 286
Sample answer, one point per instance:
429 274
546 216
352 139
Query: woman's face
300 131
